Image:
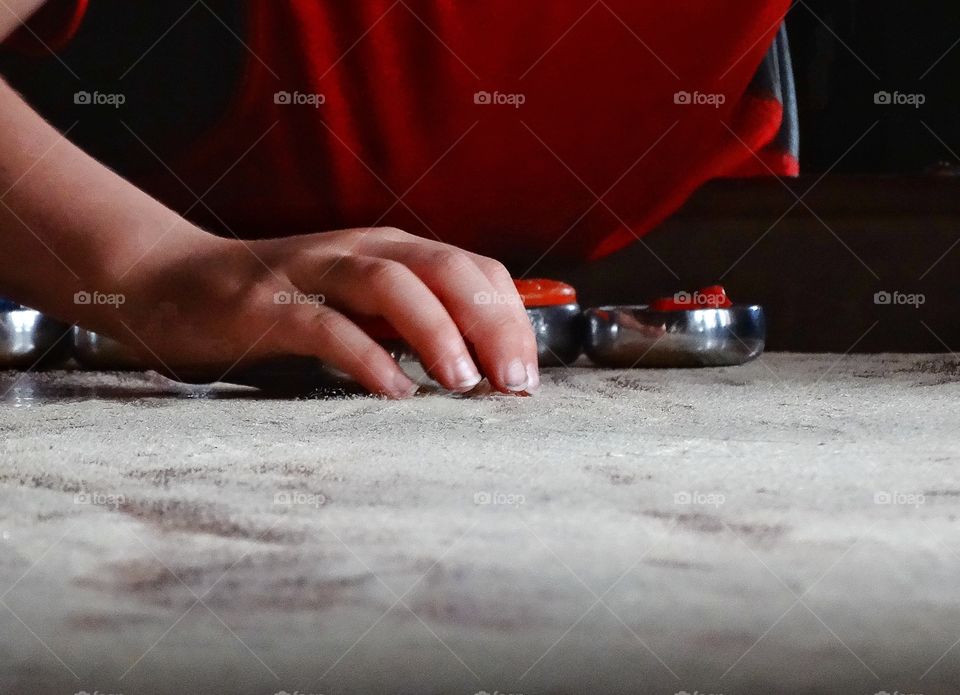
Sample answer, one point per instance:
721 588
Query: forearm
68 223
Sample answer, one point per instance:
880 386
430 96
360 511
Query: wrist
130 275
128 251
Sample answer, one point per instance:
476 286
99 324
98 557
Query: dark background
900 41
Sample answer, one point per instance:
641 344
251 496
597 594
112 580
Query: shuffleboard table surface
789 526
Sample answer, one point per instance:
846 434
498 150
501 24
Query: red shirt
584 107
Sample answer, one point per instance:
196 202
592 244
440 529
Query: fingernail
403 387
465 375
515 378
533 378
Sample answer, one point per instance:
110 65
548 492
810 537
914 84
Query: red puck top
540 293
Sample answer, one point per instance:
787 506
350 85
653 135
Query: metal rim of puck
637 336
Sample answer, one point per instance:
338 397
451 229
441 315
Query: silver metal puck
636 336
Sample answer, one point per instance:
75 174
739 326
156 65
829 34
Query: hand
202 304
195 304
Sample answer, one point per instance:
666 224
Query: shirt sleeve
49 29
774 81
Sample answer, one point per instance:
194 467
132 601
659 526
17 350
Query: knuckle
398 233
495 270
330 324
384 272
274 296
390 233
334 328
450 262
349 239
365 236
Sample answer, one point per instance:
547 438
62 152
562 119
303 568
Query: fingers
328 335
444 302
504 285
382 287
484 305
